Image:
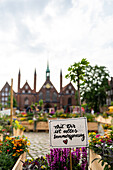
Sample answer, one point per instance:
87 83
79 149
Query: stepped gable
69 88
26 88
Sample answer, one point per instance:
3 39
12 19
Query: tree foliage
96 83
77 71
9 101
76 75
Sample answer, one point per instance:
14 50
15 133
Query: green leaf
102 163
94 160
106 167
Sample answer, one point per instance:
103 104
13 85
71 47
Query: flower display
103 146
38 163
59 159
10 150
16 125
107 126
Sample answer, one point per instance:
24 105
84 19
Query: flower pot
18 165
17 132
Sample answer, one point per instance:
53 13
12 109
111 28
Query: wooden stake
70 160
11 101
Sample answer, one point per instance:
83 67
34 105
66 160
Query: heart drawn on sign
65 141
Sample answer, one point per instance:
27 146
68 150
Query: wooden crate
92 126
18 165
42 126
28 126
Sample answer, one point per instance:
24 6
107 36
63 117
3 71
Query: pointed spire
19 71
47 72
19 81
61 72
60 80
35 72
35 81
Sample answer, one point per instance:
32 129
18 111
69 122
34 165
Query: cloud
64 31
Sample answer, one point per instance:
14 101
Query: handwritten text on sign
68 132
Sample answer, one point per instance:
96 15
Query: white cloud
63 32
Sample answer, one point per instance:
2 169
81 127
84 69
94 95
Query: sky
62 32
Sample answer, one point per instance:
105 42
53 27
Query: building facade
25 96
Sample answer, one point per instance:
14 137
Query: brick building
51 97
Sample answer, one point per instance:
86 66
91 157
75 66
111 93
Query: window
6 94
5 98
67 91
26 101
54 97
6 89
2 93
23 91
72 91
69 101
2 98
69 87
40 96
2 103
26 87
29 91
48 95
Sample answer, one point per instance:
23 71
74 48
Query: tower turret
61 81
19 75
35 81
47 72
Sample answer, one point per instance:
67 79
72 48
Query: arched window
26 101
54 97
40 96
47 95
69 101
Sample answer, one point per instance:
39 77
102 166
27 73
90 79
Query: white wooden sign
67 133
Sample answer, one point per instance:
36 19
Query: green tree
96 84
41 103
9 101
76 75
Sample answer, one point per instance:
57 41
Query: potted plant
10 151
101 150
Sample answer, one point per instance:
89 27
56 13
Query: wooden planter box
42 126
52 118
1 137
95 165
92 126
18 165
27 125
17 132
